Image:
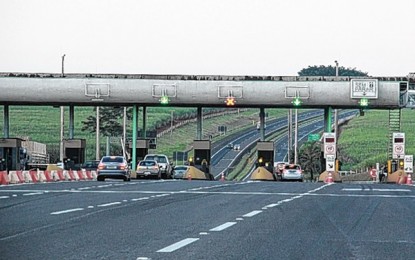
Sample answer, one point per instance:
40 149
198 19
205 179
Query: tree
310 158
330 71
110 119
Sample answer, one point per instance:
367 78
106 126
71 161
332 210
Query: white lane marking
66 211
177 245
271 205
144 198
31 194
252 213
204 233
366 189
109 204
239 219
223 226
85 188
4 197
14 195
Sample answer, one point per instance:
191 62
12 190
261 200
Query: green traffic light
164 100
364 102
297 102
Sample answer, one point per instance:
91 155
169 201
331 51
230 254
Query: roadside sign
364 88
313 137
330 163
329 144
398 142
409 164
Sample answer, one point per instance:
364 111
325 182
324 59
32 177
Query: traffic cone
329 178
409 179
189 176
222 178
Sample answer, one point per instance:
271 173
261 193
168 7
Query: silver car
179 171
113 167
292 172
148 168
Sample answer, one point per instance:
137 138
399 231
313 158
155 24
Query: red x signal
230 101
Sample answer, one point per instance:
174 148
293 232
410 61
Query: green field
364 140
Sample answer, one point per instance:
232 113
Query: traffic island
262 174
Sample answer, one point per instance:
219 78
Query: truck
33 155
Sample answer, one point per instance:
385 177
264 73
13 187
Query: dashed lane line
223 226
66 211
178 245
252 213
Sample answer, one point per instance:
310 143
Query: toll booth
141 147
10 154
202 156
74 152
265 156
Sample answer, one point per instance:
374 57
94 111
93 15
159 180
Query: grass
364 141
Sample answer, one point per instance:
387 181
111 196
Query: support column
61 148
199 124
97 153
296 137
134 141
327 120
144 132
6 122
290 132
71 121
262 123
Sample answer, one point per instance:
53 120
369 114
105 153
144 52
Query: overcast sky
220 37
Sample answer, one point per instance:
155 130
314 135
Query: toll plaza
142 147
10 154
74 152
265 161
202 157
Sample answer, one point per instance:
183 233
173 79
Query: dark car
113 167
90 165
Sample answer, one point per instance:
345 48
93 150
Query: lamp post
63 65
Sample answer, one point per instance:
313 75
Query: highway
181 219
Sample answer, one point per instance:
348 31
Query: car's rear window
147 163
160 159
293 167
113 159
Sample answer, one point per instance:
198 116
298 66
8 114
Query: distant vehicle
278 168
179 171
292 172
258 126
113 167
237 147
90 165
148 168
163 162
230 146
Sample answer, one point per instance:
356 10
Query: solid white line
252 213
361 189
223 226
66 211
109 204
178 245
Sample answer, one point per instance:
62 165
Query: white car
164 164
292 172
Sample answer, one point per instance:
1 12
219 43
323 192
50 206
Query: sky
207 37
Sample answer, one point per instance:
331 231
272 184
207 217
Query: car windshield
180 168
147 163
116 159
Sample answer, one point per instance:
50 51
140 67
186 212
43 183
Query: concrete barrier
4 178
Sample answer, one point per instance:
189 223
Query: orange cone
189 176
222 178
329 178
409 179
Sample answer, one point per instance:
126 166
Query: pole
296 138
290 111
97 155
336 120
134 141
63 65
124 132
61 148
171 125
